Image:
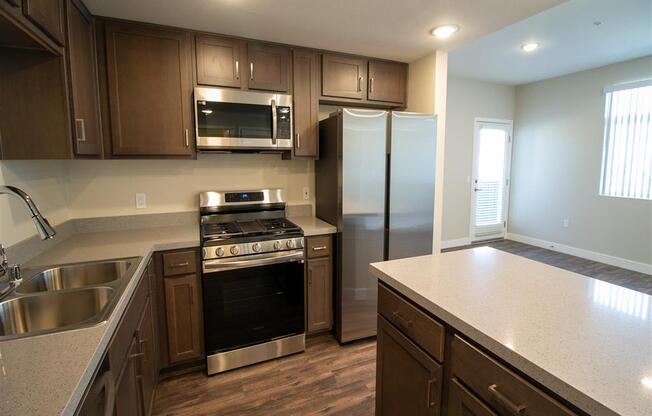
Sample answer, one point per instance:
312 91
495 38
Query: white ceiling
393 29
570 42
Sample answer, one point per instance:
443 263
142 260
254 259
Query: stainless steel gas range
252 278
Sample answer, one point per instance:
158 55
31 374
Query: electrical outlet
306 193
141 201
565 223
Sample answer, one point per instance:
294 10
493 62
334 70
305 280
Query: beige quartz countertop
313 226
48 374
586 340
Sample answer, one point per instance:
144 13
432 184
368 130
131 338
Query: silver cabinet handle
274 122
237 69
80 129
359 83
251 71
320 248
298 141
371 84
187 142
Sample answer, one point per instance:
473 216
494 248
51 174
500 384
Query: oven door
253 299
242 120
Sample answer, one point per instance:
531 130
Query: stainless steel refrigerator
375 180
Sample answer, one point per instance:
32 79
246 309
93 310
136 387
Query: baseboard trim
459 242
586 254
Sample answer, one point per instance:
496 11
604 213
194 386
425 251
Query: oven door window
233 120
252 305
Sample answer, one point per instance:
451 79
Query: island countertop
586 340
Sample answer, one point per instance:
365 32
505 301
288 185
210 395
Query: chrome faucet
10 274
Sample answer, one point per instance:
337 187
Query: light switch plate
141 201
306 193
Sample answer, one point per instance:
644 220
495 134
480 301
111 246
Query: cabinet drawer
462 402
121 341
419 327
319 246
177 263
497 385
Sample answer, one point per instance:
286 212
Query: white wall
108 187
45 182
466 100
96 188
556 167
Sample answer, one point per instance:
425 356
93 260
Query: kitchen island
580 343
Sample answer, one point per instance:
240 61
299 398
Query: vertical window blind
627 148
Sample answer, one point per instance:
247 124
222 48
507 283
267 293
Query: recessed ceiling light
647 382
530 46
444 31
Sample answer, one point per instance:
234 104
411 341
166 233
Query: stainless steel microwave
227 120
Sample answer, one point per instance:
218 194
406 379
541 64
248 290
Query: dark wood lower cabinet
148 371
319 284
461 402
127 395
408 381
182 307
464 380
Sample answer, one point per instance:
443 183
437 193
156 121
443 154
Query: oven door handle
220 265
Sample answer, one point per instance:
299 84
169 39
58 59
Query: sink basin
75 276
51 312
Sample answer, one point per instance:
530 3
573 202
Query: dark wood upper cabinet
48 15
220 61
83 81
268 67
34 107
344 77
387 81
305 89
150 90
182 307
408 381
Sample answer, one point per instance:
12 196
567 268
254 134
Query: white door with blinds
492 147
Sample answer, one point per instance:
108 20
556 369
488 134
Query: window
627 151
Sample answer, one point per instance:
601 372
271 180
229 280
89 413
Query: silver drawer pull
184 264
320 248
80 129
515 409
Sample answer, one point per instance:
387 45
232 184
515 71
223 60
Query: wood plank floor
622 277
327 379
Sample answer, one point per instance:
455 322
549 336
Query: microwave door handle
274 123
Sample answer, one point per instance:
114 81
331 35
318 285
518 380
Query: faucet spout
42 225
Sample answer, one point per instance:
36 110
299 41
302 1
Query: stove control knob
277 245
256 247
219 252
235 250
290 243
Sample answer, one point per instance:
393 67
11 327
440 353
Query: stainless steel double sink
60 298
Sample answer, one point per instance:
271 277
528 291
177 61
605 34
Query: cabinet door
343 77
150 90
148 376
48 15
462 402
320 294
305 89
408 381
387 81
183 311
128 401
83 81
268 67
219 61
